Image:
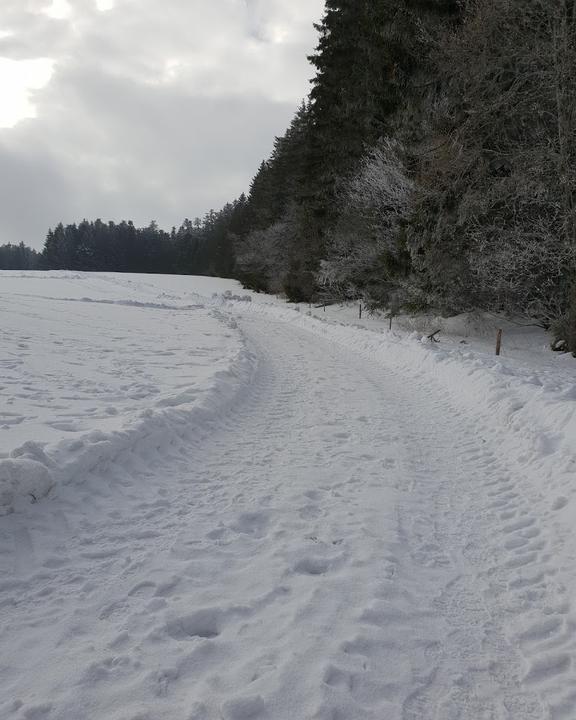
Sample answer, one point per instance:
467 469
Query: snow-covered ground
222 509
97 365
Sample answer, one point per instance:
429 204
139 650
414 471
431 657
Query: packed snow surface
218 506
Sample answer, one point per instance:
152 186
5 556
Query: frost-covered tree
368 256
372 72
261 261
493 225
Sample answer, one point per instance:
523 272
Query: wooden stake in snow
498 341
360 312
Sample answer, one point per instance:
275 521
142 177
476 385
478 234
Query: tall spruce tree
360 71
353 94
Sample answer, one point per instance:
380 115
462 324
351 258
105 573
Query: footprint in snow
312 566
251 523
310 512
341 435
313 494
206 623
560 503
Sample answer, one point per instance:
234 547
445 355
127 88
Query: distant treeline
200 247
18 257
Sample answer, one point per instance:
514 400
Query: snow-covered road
343 543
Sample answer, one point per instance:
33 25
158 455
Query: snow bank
33 468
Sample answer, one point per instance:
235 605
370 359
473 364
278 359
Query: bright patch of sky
59 10
18 81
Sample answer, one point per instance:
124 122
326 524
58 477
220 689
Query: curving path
343 545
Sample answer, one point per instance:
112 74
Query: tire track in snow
463 664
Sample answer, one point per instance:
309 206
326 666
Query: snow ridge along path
351 539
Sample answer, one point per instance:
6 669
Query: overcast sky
141 109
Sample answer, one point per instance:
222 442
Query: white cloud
104 5
153 109
59 9
18 81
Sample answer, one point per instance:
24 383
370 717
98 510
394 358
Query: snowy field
217 506
97 365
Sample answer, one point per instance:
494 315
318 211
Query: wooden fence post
498 341
360 312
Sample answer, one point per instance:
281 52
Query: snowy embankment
97 367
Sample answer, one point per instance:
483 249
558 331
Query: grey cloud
109 148
121 134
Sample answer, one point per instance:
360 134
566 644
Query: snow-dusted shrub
260 258
367 255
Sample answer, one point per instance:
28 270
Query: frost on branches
367 250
